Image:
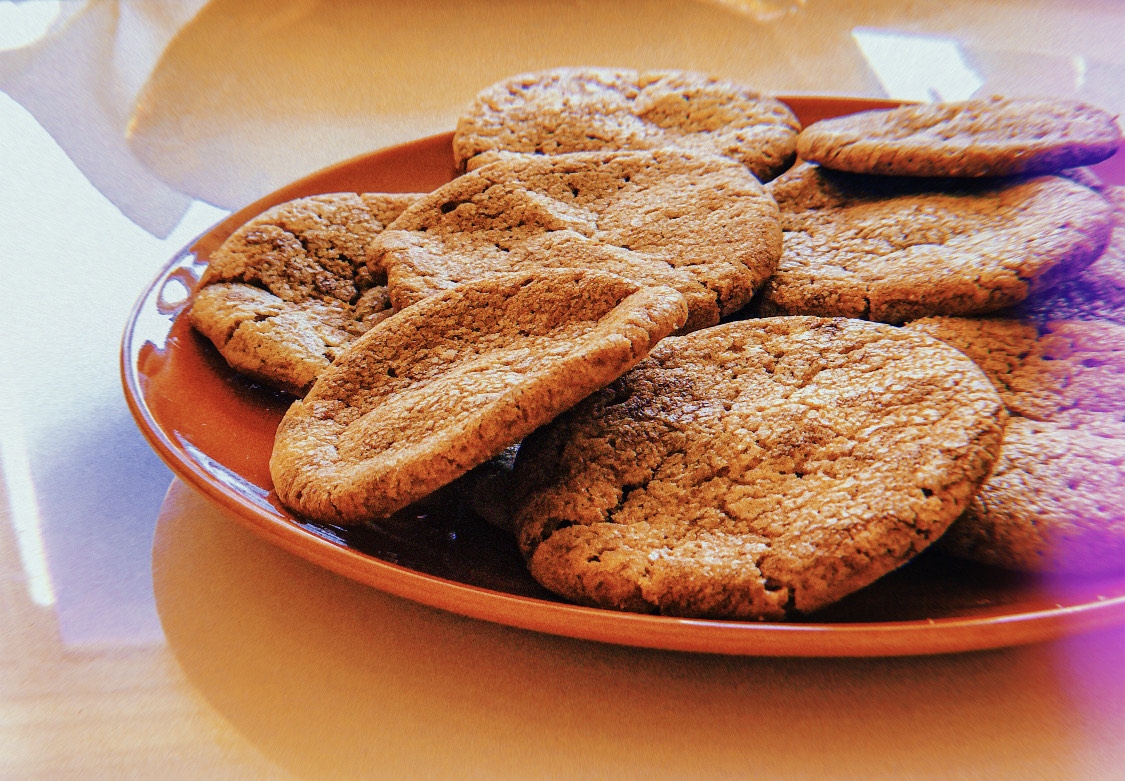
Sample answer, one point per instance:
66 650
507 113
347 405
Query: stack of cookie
949 209
697 346
941 214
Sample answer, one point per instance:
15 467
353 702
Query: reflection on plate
215 430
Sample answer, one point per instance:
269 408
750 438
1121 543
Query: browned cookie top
699 223
1098 292
1056 498
311 247
756 469
440 387
895 248
989 137
290 288
1067 372
585 109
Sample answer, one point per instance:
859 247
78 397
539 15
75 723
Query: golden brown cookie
893 249
589 109
986 137
1098 292
699 223
1056 498
758 469
437 389
290 289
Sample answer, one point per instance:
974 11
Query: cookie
1055 501
1098 292
988 137
701 224
436 389
893 249
288 290
591 109
759 469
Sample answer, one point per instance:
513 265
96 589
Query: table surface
144 633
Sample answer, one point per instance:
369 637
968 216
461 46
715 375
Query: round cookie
893 249
1055 501
289 289
589 109
435 390
699 223
988 137
1098 292
756 470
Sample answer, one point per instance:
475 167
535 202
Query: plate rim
793 639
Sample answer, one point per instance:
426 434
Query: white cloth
80 81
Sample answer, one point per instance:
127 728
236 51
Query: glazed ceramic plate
215 430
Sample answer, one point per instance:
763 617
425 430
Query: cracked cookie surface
441 387
984 137
1098 292
588 109
701 224
289 289
1055 501
893 249
758 469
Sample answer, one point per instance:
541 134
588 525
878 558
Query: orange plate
215 430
